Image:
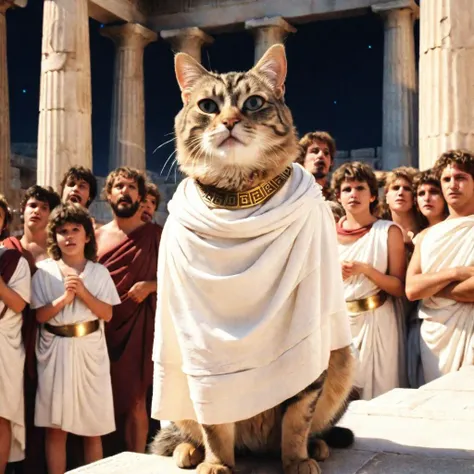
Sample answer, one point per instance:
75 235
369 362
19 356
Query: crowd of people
77 304
407 261
78 300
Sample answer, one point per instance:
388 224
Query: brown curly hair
8 217
462 159
80 173
71 213
129 173
310 138
356 171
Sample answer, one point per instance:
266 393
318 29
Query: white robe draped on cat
375 332
74 387
447 330
12 361
250 303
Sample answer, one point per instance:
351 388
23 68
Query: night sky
334 81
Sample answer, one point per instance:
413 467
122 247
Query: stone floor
425 431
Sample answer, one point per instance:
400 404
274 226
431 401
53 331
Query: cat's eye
208 106
253 103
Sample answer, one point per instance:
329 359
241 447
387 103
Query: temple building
422 116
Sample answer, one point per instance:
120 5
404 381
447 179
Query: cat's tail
338 437
166 441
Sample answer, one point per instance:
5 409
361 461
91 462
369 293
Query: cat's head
234 129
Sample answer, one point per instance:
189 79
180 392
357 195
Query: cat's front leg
296 426
219 449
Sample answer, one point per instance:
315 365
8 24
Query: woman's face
430 202
355 196
399 196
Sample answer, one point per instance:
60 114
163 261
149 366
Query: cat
234 132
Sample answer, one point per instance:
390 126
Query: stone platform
424 431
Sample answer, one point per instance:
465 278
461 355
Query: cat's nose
230 122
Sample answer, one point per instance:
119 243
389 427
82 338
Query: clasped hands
352 268
74 286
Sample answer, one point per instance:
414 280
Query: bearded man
128 247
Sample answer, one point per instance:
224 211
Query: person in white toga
441 272
372 256
73 297
15 286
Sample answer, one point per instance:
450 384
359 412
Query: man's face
318 159
457 187
76 191
36 214
124 197
148 208
399 196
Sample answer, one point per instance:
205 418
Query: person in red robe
128 247
35 208
150 203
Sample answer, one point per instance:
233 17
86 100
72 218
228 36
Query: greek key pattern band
217 198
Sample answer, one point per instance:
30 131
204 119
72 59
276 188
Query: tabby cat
233 132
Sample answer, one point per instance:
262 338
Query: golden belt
73 330
367 304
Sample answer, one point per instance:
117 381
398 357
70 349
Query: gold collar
218 198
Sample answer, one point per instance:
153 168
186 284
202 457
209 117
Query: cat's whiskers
163 144
167 160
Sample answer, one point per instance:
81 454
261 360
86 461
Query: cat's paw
208 468
319 450
187 456
305 466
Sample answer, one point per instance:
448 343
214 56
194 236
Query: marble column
127 132
64 134
399 123
188 40
267 32
4 105
446 78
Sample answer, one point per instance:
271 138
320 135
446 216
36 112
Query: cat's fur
265 144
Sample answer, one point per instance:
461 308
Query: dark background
334 80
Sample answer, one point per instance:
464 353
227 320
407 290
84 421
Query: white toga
249 301
74 387
375 332
12 361
447 331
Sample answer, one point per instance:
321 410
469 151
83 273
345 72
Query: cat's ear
188 72
272 67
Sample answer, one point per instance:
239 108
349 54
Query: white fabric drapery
74 387
375 333
447 330
250 302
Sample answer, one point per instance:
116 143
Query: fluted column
446 78
64 134
399 124
267 32
4 105
188 40
127 132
